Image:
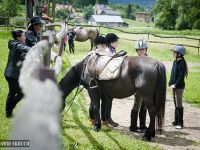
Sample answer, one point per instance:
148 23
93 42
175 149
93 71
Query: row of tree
10 8
82 3
177 14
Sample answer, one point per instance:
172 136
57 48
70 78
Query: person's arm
22 50
46 17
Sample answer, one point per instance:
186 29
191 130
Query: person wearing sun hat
33 33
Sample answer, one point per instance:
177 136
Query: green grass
133 23
191 93
5 123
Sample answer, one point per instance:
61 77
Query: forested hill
144 3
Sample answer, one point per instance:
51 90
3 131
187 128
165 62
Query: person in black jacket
17 53
33 33
112 44
71 36
177 84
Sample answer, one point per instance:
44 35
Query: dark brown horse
84 34
142 75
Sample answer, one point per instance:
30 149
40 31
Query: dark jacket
17 53
178 74
32 38
71 36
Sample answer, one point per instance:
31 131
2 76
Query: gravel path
172 139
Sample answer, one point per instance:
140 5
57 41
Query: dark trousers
14 94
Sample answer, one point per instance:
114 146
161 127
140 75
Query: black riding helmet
33 21
111 37
100 40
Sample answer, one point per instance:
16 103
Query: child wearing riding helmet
112 44
100 43
177 84
139 107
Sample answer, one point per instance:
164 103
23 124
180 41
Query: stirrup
93 84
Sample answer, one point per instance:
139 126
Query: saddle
103 65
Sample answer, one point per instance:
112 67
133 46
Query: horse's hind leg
148 101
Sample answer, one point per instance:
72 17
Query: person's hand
171 87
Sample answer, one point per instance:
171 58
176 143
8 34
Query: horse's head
72 79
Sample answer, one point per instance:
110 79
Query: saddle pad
112 69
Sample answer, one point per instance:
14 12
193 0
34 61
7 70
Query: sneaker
178 127
143 128
111 122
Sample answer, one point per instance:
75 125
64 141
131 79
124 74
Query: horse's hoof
97 129
144 138
134 129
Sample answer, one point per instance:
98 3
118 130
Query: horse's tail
160 95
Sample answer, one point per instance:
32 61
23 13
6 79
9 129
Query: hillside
145 3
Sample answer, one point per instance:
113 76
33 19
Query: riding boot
134 116
109 118
175 117
142 116
180 119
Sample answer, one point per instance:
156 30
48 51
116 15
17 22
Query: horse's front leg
152 113
95 104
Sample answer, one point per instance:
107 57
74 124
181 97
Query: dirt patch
187 138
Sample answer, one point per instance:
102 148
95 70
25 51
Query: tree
165 14
177 14
88 12
129 11
10 8
102 2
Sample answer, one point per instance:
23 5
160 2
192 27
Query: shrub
62 14
18 21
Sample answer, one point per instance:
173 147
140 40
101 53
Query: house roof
110 12
107 18
102 7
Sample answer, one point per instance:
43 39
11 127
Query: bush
62 14
18 21
88 12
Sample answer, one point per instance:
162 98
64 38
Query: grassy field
77 131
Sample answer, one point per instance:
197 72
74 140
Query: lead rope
77 90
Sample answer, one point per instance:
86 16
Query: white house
105 10
106 20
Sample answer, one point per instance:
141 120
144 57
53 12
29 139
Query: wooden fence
162 38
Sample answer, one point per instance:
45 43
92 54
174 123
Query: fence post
198 46
148 36
61 46
47 56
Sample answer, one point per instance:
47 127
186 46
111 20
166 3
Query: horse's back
143 70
